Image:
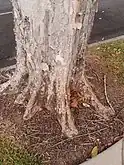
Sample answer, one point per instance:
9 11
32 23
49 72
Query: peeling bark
51 41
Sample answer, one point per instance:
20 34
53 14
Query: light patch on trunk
60 60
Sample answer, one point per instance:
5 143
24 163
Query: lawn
112 57
10 154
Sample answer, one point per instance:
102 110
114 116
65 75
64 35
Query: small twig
89 135
98 121
78 136
116 119
119 112
44 142
106 95
123 151
100 116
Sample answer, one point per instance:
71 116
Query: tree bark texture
51 40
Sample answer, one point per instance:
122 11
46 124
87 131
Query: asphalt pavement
109 23
5 6
7 41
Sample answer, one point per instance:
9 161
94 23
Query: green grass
112 57
10 154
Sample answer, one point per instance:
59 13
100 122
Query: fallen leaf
74 103
94 152
86 105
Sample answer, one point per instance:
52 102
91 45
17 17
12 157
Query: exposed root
62 102
29 113
69 128
13 83
31 108
33 87
106 95
21 97
105 111
4 86
67 123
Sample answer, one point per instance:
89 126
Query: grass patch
10 154
112 57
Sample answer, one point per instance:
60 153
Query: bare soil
42 134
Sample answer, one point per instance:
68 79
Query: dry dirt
42 134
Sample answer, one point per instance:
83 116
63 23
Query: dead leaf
94 151
74 103
86 105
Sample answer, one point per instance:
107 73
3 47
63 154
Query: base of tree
42 134
34 92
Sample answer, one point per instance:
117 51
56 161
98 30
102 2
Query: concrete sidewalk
111 156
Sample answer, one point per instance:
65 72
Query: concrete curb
107 41
111 156
7 68
6 13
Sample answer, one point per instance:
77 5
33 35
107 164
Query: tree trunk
51 38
